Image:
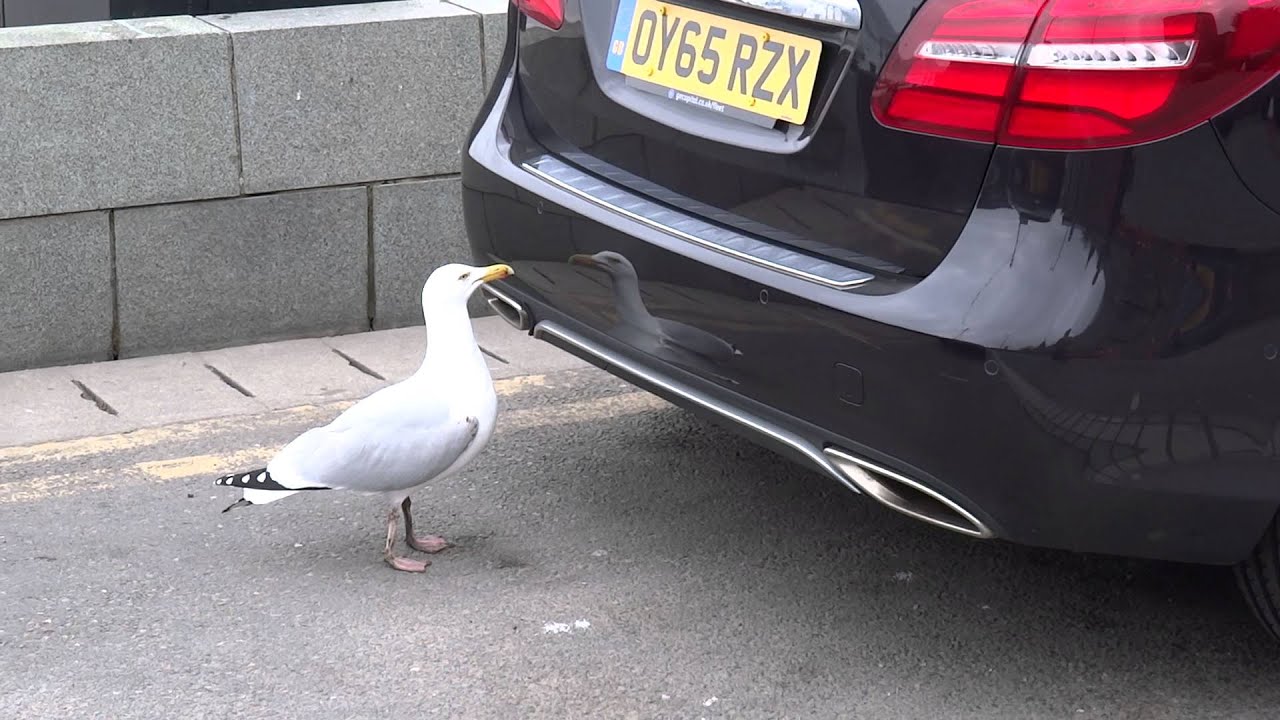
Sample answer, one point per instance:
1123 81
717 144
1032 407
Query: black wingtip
259 479
239 503
245 479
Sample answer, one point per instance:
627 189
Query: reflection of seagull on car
652 333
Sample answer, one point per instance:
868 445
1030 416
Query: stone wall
187 183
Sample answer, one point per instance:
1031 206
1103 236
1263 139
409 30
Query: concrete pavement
77 401
616 559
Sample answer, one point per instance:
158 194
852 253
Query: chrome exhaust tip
907 496
507 308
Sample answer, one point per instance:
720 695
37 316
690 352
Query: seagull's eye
465 275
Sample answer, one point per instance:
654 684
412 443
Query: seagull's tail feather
259 488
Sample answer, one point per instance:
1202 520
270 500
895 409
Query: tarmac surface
616 558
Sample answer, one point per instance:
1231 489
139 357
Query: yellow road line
212 465
146 437
54 486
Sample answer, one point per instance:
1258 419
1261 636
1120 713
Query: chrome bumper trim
837 463
959 521
693 229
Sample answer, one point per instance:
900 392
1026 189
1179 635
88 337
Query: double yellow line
25 476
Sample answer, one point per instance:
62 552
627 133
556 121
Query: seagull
424 428
634 317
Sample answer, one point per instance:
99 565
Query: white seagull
405 435
640 327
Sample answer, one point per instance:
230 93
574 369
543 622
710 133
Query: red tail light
1075 74
547 12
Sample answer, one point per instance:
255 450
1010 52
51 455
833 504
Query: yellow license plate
708 60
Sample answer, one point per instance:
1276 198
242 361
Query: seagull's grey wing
374 451
696 341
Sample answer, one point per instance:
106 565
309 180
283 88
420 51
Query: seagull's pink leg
399 563
423 543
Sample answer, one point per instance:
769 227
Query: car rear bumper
996 383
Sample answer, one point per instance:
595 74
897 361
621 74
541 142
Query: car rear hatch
755 117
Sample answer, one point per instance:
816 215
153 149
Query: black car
1011 267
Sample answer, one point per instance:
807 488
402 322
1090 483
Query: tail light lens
547 12
1075 74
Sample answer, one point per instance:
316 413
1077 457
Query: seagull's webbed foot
399 563
408 564
422 543
428 543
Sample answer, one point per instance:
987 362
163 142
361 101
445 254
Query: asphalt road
616 559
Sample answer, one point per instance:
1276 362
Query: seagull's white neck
451 342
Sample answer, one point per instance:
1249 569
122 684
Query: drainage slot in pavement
92 397
495 356
230 382
357 364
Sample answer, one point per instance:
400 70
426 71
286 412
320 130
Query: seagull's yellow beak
496 272
586 260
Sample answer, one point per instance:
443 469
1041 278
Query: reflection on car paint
847 13
1143 447
662 337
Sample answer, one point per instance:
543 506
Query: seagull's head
609 261
454 283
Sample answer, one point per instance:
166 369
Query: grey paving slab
354 93
46 405
201 276
43 405
114 114
494 21
483 7
393 354
417 227
523 354
56 290
163 389
495 39
396 354
292 373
